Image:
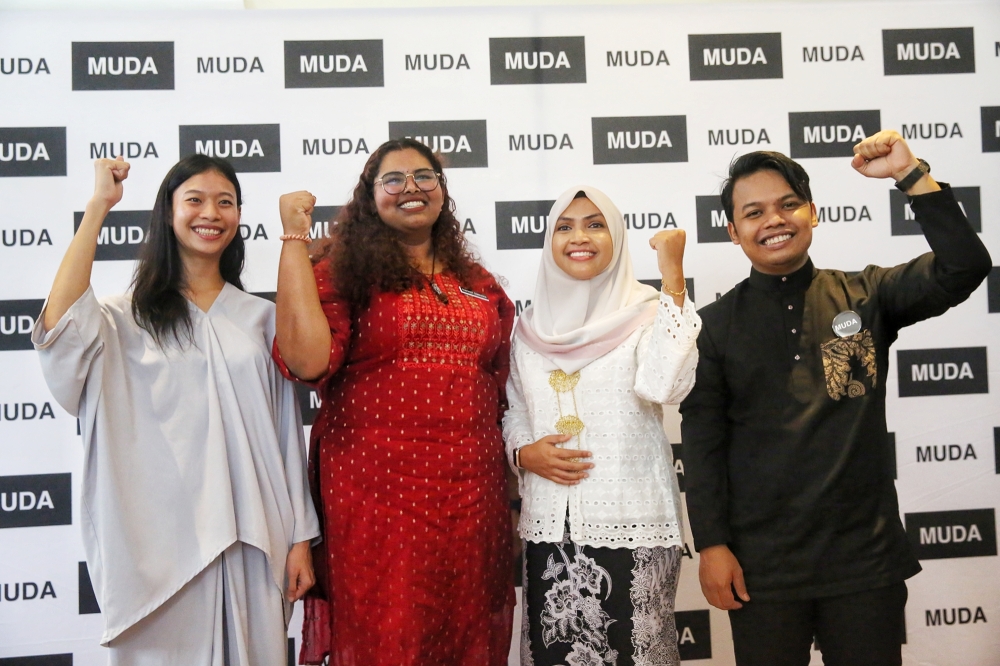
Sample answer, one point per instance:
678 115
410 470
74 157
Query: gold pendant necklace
563 383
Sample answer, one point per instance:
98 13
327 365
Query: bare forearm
73 277
302 329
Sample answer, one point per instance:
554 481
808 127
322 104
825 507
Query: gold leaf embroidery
837 355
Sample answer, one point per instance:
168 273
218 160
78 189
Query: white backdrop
640 101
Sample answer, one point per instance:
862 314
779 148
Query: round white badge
846 323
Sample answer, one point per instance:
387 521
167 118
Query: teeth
411 204
777 239
581 255
202 231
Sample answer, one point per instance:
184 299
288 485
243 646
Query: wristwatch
915 175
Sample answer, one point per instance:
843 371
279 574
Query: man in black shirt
787 464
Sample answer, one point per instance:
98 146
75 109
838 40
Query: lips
413 204
776 240
208 233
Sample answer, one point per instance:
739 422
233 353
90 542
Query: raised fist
296 212
669 246
884 155
108 177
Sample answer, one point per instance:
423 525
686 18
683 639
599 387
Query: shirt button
784 279
794 331
796 357
790 307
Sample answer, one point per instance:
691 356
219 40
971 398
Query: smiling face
771 223
581 240
412 212
206 217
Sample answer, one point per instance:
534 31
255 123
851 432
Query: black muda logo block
993 292
711 220
324 218
928 51
86 599
16 321
121 235
694 634
460 143
35 500
903 222
309 402
521 224
830 133
533 60
249 148
355 63
738 56
32 151
952 371
123 65
39 660
640 139
990 116
938 535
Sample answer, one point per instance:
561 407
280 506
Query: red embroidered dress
412 478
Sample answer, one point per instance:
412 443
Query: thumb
739 584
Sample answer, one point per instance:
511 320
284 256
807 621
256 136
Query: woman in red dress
407 338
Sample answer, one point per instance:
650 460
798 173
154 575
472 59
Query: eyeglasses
394 182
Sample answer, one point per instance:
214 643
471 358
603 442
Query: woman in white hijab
594 358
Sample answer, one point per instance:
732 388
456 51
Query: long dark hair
364 252
158 305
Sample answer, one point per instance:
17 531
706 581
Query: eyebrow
585 217
226 193
790 195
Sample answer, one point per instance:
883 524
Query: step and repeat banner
648 103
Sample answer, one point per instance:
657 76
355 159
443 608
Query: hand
299 568
884 155
549 461
108 177
719 572
669 246
296 212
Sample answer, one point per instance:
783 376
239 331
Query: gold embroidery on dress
562 383
434 335
837 355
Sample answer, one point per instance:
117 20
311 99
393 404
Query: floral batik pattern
654 586
569 608
573 613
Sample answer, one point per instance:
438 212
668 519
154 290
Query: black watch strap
915 175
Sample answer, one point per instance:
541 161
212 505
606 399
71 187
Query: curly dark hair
366 253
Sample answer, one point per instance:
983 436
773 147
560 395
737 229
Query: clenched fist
296 212
108 177
669 246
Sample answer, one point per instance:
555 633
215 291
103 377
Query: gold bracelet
670 291
300 237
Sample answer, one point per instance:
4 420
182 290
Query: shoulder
718 311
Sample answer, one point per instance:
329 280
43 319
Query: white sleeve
668 353
69 351
293 452
517 429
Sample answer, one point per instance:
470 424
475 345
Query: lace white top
631 498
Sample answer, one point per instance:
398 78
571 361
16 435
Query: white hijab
572 322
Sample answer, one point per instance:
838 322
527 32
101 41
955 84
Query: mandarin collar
799 280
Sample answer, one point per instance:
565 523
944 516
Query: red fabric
411 477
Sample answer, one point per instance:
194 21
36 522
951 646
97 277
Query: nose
410 183
578 235
774 218
210 210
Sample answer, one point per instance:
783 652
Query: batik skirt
590 606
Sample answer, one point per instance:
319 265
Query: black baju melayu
786 450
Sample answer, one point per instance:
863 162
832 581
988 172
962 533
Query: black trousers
861 629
